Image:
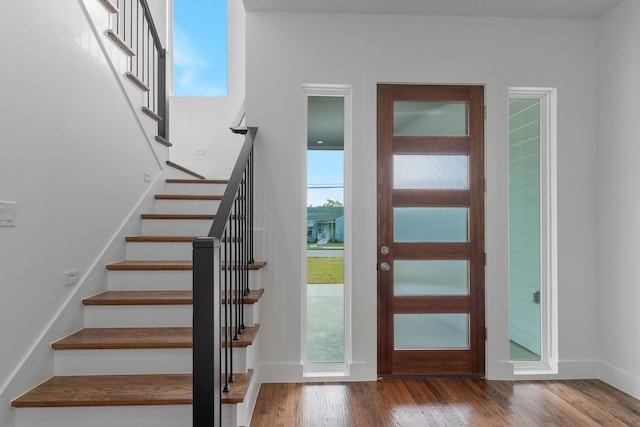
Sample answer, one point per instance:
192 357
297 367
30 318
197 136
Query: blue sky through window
325 176
200 47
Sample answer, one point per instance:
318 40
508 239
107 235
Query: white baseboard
620 379
567 370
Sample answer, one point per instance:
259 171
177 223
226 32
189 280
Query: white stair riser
176 227
240 358
150 280
159 250
187 206
166 250
138 361
125 361
209 189
138 316
161 280
110 416
123 316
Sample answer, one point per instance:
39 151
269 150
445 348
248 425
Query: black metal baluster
227 336
236 268
243 252
229 325
251 190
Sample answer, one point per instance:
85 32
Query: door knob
385 266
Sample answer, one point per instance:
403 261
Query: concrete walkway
328 253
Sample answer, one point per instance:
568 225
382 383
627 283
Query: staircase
131 364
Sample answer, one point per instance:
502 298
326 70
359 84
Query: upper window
200 47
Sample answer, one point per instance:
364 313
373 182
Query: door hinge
485 333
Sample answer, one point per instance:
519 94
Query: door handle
385 266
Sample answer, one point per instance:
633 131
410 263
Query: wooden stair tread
208 217
253 297
126 338
183 169
149 265
123 390
120 43
187 197
245 339
151 114
141 338
163 141
137 82
171 297
238 388
196 181
110 6
257 265
109 390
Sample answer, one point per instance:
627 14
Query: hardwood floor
445 402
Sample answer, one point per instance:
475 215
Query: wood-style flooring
445 402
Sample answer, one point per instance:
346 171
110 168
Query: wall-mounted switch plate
7 214
147 177
71 277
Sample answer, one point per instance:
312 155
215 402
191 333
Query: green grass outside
325 270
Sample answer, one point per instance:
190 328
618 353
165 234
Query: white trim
548 232
331 369
620 379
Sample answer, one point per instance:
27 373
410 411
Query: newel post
206 333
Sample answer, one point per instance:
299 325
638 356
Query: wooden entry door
431 230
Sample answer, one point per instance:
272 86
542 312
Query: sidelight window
532 231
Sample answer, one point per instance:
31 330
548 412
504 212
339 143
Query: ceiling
579 9
325 126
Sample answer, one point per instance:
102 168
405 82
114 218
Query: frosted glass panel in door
431 224
433 277
431 331
430 118
430 172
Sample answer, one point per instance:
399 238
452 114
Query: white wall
199 126
618 203
73 156
285 51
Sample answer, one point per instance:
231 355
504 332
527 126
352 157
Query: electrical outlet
7 214
71 277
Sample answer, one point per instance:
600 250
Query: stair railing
221 264
135 27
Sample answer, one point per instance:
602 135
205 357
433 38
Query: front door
431 230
